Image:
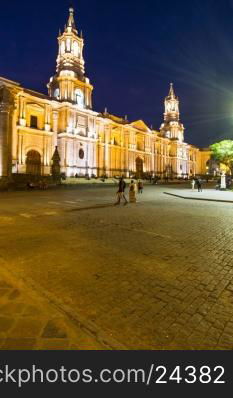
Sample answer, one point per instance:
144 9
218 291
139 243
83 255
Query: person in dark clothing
140 186
30 185
121 192
228 182
218 185
199 185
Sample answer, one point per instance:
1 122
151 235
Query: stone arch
79 97
33 162
36 148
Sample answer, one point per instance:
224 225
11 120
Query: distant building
35 128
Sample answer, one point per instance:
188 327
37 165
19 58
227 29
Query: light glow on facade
111 145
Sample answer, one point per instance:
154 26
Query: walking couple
121 192
197 182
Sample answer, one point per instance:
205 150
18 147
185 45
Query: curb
205 199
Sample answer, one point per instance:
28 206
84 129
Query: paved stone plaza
79 273
209 194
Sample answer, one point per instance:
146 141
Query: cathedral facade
36 128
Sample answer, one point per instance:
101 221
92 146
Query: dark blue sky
133 50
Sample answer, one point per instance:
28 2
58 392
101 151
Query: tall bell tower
69 83
172 128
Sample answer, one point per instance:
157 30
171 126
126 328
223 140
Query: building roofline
36 93
205 149
10 82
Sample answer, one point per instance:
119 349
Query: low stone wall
20 181
4 183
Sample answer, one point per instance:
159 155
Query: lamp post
207 174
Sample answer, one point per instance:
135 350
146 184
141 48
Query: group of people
134 188
33 185
198 183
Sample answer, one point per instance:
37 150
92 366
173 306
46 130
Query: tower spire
171 105
71 22
171 91
70 83
172 128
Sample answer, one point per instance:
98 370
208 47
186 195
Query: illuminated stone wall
88 142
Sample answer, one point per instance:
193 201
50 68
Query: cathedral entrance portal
33 163
139 168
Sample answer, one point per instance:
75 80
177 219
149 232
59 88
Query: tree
223 152
55 168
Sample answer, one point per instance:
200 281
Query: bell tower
69 83
171 106
172 128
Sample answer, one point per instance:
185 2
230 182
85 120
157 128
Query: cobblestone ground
29 321
152 275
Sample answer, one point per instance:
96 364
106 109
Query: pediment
35 106
141 125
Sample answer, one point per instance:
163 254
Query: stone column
106 149
94 157
6 114
15 138
87 162
152 157
5 157
22 111
47 124
126 162
90 98
86 98
55 128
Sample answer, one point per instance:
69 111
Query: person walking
121 192
193 184
132 192
140 186
199 185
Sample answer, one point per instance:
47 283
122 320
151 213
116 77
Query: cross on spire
71 22
171 91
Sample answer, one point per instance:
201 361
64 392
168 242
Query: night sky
133 50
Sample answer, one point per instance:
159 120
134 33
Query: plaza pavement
28 321
78 273
208 194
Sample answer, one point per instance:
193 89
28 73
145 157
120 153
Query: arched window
81 153
63 48
76 49
79 98
56 93
68 45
